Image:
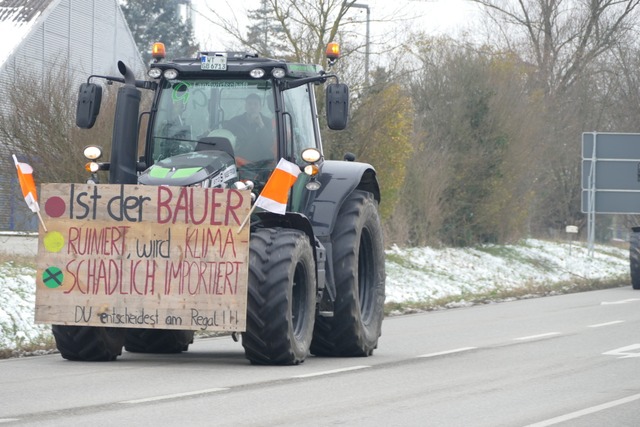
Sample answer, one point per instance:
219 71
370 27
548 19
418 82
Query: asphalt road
571 360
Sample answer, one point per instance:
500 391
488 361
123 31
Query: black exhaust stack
124 146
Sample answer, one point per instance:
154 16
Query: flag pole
253 208
44 227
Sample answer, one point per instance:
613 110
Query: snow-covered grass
417 278
428 274
17 303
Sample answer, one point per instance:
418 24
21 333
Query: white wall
86 36
23 244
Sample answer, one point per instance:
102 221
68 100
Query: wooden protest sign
143 257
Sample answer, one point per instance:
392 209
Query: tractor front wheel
88 343
281 297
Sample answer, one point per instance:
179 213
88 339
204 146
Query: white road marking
599 325
334 371
174 396
587 411
442 353
624 352
623 301
533 337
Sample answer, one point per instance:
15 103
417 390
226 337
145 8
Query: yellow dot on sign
53 241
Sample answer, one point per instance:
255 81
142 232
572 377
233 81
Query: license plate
216 62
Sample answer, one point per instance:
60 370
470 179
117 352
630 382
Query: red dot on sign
55 207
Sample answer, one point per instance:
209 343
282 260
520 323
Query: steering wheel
258 171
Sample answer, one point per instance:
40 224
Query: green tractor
316 280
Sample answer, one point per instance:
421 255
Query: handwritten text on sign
142 256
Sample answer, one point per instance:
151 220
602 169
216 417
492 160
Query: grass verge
44 344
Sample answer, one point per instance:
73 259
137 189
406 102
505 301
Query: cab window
237 110
298 106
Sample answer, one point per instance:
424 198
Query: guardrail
19 243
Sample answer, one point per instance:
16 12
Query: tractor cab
253 110
256 110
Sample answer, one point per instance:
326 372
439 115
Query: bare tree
569 45
300 30
620 102
306 26
562 37
38 122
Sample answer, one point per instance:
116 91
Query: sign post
610 176
572 230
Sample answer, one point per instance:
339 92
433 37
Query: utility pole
366 51
188 11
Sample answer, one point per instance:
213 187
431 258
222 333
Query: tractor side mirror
88 108
337 106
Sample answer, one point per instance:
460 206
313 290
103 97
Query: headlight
155 73
171 74
278 73
311 155
92 152
313 185
256 73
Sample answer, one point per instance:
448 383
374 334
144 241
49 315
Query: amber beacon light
333 52
158 51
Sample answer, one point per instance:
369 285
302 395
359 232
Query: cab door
300 122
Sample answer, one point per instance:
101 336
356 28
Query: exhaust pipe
124 144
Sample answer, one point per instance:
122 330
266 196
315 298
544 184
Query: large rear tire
157 340
634 259
88 343
282 297
358 268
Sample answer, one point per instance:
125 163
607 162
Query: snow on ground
17 304
419 274
415 274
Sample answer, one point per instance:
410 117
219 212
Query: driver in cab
254 133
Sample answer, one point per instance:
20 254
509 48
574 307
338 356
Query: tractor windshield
236 116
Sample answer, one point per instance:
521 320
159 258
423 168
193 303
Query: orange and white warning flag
275 193
28 186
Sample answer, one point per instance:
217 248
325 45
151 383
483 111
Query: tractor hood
210 168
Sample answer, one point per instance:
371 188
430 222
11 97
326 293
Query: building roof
21 10
17 17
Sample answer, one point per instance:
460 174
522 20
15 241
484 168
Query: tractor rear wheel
634 258
88 343
281 297
157 340
358 268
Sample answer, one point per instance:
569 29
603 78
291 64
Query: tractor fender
288 220
318 214
338 180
